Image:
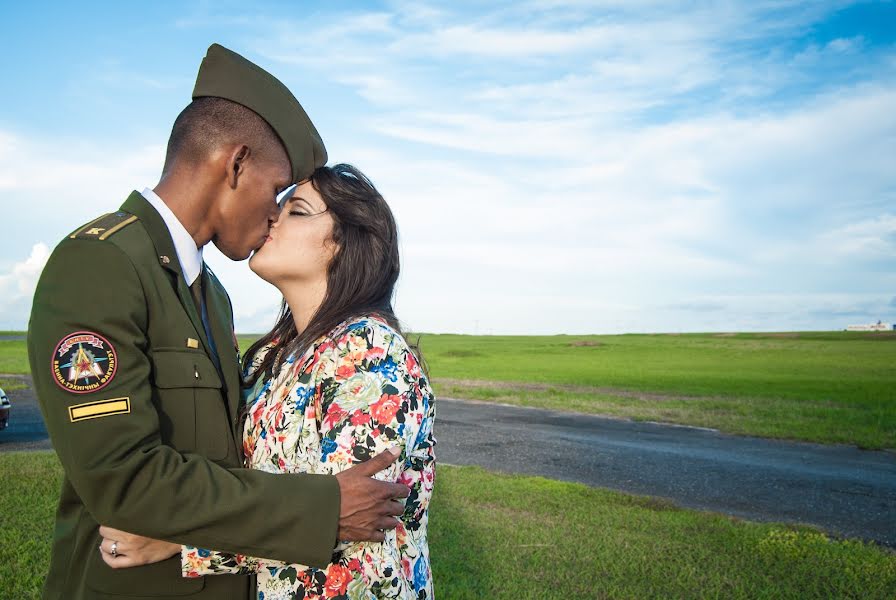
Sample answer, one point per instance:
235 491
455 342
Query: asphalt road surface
844 490
26 429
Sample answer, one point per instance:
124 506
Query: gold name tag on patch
191 343
102 408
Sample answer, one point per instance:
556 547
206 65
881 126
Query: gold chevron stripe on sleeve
102 408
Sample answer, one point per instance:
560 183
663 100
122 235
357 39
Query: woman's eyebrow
300 199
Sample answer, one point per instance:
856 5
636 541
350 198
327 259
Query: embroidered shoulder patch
105 226
101 408
84 362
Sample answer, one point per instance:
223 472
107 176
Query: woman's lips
264 242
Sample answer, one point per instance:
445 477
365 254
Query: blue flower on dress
425 429
420 575
327 447
304 393
203 552
357 325
387 367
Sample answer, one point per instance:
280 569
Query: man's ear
236 164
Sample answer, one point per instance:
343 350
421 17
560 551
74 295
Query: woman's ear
331 243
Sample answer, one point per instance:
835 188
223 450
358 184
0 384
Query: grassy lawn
824 387
13 356
9 385
498 536
852 368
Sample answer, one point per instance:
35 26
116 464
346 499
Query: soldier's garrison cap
225 74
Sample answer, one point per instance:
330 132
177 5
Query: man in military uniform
134 362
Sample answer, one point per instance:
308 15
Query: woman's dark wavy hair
361 276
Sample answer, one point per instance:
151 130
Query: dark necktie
199 299
196 290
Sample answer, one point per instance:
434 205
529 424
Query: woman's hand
133 550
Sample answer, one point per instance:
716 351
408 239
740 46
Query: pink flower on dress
360 418
345 371
385 408
338 578
412 365
335 415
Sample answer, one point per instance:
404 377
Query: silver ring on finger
114 550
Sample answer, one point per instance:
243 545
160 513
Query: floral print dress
353 394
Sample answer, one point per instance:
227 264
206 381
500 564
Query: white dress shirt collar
188 254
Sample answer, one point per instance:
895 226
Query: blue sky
555 167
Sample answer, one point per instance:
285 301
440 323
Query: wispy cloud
17 286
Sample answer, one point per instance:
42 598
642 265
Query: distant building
872 327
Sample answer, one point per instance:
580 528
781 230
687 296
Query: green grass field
830 387
13 356
499 536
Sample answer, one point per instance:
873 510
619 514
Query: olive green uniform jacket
150 442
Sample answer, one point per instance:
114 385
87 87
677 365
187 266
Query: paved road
26 429
844 490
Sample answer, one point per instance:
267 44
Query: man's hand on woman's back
369 506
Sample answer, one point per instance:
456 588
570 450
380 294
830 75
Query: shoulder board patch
106 225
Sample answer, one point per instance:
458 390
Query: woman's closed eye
299 211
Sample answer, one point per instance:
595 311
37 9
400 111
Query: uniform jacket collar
137 205
188 254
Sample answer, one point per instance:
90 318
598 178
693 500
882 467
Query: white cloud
64 182
867 240
26 273
17 286
488 42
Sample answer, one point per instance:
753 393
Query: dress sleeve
376 397
370 400
196 562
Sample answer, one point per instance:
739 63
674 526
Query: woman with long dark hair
333 383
